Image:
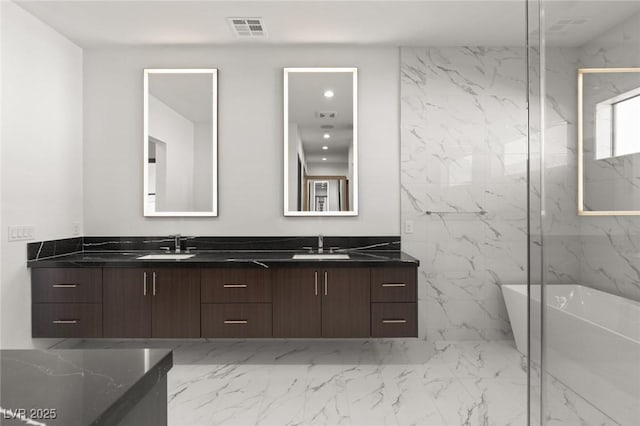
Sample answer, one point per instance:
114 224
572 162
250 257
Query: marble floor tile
342 382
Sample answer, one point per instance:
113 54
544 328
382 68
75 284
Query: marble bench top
75 386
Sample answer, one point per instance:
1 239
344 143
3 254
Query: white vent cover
247 27
326 114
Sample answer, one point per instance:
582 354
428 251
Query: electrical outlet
75 228
408 227
22 233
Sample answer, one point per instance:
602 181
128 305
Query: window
626 126
618 125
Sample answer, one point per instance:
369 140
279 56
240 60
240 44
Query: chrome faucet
320 243
176 242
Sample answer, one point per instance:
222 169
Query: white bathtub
591 344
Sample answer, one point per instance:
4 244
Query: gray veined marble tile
341 382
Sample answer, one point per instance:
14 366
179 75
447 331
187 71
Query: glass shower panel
589 322
535 210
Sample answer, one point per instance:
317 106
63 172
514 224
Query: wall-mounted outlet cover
408 227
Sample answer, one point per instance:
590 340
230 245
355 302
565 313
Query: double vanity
237 293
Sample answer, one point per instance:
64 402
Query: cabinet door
176 302
126 302
346 302
296 302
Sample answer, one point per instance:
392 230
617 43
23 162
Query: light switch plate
22 233
75 228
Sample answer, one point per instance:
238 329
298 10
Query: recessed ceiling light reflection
325 147
324 158
326 136
328 94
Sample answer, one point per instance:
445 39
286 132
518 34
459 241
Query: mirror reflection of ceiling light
324 158
328 94
325 147
326 136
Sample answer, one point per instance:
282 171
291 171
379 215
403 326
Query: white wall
250 140
202 170
41 153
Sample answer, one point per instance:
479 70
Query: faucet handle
167 249
310 249
189 248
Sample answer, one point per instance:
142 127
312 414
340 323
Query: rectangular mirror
608 141
320 142
180 142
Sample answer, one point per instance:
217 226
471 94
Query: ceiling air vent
247 27
327 126
326 114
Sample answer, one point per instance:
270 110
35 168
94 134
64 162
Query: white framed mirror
609 141
321 141
180 142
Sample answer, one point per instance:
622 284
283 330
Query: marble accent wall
560 225
464 150
610 245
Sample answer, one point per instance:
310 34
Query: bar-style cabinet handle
394 285
65 285
326 283
234 286
394 321
236 321
316 281
154 283
65 321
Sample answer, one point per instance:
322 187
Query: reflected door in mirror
180 143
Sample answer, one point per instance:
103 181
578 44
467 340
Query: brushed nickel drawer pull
394 321
236 321
394 285
154 283
144 284
235 286
326 282
316 281
65 285
65 321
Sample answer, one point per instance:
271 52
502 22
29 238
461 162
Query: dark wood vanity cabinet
236 302
321 302
66 302
158 302
224 302
297 306
394 298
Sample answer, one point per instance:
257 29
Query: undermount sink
165 256
320 256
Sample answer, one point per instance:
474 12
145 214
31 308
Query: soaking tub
591 344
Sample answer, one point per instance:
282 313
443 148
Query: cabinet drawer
66 285
394 320
235 285
236 320
394 284
66 320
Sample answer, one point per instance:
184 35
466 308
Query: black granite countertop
219 258
77 387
